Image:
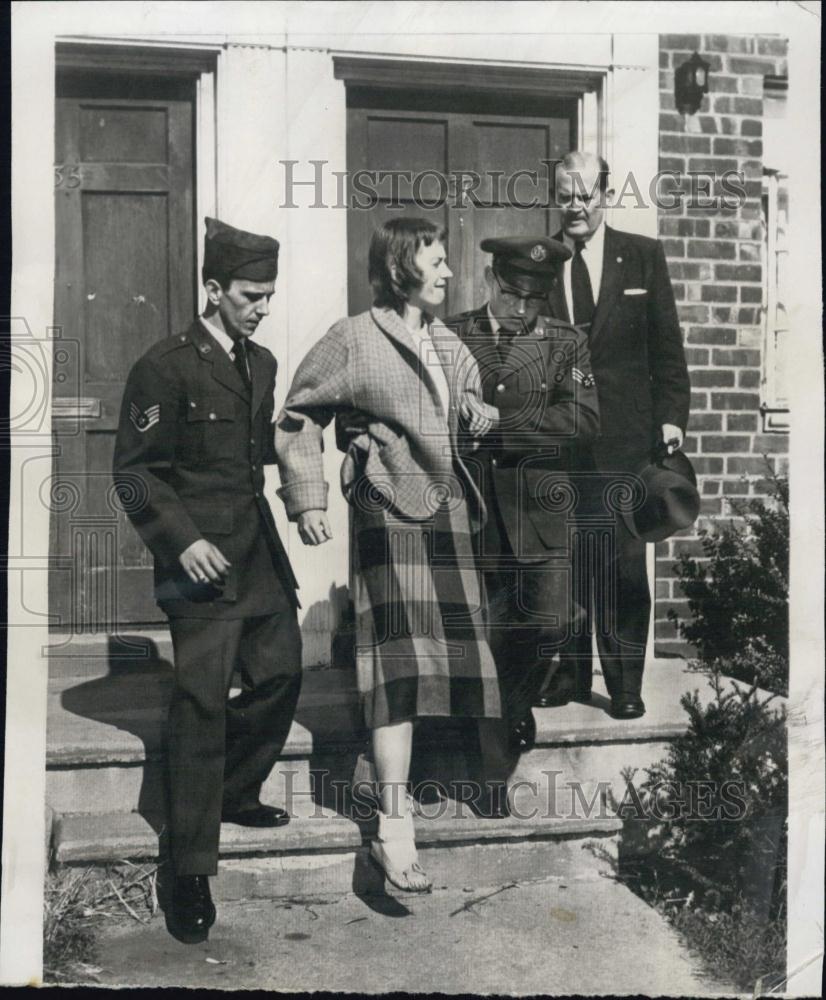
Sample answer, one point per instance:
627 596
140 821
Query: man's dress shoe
522 734
627 707
260 816
192 912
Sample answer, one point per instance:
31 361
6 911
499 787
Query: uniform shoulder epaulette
556 327
163 347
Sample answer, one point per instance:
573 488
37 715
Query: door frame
587 85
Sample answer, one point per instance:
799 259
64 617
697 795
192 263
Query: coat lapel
559 307
612 266
556 300
393 325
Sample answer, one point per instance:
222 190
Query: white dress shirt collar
220 335
494 324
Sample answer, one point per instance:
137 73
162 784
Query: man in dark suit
616 287
536 372
194 436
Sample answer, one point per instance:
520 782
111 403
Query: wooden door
125 278
437 135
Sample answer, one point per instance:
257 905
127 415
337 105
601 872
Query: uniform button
193 404
252 440
254 467
543 386
212 416
493 461
257 493
500 387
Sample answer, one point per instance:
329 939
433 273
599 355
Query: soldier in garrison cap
536 372
196 429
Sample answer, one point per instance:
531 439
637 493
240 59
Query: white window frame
774 409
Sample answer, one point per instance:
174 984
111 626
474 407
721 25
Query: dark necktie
504 345
581 290
239 359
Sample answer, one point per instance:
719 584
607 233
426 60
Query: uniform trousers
611 582
221 749
529 615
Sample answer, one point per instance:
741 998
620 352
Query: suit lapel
612 265
556 300
559 307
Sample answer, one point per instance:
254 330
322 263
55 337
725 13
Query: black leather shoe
260 816
522 734
627 707
192 912
553 699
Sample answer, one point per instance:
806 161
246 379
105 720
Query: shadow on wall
328 631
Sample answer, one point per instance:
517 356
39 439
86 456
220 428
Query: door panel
125 278
393 131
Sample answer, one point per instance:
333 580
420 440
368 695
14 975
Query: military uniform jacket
636 350
542 385
189 461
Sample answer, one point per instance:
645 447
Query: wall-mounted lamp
691 84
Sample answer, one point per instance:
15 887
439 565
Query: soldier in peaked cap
536 372
194 436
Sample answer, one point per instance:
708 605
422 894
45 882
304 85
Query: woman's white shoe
394 851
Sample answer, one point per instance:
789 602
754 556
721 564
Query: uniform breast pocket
209 431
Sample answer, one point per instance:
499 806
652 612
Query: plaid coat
421 648
369 365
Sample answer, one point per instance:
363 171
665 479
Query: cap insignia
538 252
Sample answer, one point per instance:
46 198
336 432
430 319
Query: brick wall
714 257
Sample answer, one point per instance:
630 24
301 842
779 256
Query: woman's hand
479 416
313 527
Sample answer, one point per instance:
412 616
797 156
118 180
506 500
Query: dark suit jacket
636 350
189 463
547 402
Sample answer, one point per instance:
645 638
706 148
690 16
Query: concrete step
118 718
105 737
323 851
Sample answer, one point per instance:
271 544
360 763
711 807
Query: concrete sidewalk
586 934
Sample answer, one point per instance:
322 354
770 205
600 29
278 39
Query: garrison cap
529 262
238 254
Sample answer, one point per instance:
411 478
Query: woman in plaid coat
401 386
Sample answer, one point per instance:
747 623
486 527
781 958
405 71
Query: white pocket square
635 291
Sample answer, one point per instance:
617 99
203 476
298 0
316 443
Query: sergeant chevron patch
582 378
142 420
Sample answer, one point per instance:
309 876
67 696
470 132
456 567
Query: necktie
239 352
581 290
504 346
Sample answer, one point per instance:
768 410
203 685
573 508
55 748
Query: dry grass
78 901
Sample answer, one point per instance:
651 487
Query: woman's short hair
393 248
